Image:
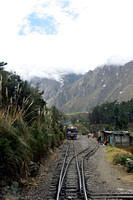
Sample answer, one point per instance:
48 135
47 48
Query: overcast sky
45 36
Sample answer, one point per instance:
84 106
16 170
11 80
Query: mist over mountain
76 93
51 86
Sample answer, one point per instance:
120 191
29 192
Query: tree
1 65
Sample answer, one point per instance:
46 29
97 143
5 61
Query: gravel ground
104 177
101 176
39 187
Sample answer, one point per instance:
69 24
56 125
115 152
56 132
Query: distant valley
79 93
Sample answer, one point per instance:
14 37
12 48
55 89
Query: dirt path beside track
105 177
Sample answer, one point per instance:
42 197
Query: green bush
129 165
14 152
37 144
125 160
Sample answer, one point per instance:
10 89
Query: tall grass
15 152
27 132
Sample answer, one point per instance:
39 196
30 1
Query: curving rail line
79 165
66 164
61 174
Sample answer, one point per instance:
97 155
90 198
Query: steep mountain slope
51 87
106 83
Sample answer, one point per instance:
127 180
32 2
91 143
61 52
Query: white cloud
101 30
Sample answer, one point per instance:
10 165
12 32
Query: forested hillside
114 115
28 128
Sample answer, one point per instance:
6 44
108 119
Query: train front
71 132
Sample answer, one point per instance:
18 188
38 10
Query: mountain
106 83
51 87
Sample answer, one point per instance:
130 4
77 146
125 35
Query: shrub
129 165
126 160
14 152
122 158
36 142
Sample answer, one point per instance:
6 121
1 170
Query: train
71 132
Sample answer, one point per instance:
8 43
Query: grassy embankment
123 159
28 129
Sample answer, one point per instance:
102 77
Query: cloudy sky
45 36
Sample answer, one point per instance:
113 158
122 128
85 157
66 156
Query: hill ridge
105 83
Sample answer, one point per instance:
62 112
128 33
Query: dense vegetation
111 116
116 115
125 160
120 156
28 128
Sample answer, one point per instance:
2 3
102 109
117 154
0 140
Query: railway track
69 177
70 180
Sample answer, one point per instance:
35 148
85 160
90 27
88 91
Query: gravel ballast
100 175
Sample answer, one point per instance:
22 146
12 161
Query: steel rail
78 170
65 172
62 175
83 180
90 153
82 184
62 169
